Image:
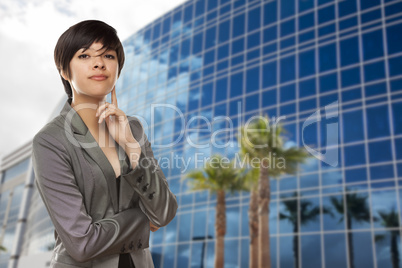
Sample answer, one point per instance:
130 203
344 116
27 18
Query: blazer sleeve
148 180
82 238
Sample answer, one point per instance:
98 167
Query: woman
94 166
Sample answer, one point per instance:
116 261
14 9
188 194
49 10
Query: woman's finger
101 108
114 98
106 113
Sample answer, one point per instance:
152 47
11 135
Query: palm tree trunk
264 192
296 244
220 229
394 251
350 243
253 225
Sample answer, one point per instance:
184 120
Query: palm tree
307 213
264 145
391 220
356 209
251 184
218 177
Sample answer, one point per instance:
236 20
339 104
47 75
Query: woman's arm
83 239
148 180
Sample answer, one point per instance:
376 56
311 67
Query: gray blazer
78 186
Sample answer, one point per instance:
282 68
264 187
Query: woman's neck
86 108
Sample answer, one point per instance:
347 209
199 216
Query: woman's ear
63 74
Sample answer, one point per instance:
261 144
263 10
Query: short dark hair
82 35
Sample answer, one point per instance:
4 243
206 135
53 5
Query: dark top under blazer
77 184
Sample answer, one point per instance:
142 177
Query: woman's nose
98 63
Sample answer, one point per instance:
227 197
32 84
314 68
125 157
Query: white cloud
30 85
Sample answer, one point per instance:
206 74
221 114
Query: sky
30 85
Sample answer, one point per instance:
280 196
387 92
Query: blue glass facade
289 58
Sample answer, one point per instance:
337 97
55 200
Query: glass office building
330 70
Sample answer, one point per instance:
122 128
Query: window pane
335 249
380 151
394 38
238 25
349 51
185 49
254 18
363 249
199 7
346 7
206 97
270 14
185 227
236 84
305 5
335 204
286 226
210 37
396 113
269 74
327 57
382 172
364 4
307 88
377 122
328 82
306 21
166 25
253 79
183 255
188 13
309 214
326 14
286 256
309 181
224 30
310 245
355 155
221 89
287 27
350 77
197 43
376 89
270 34
252 102
356 175
269 98
287 69
287 8
231 246
232 216
212 4
374 71
200 220
372 45
238 46
288 93
307 63
253 40
353 126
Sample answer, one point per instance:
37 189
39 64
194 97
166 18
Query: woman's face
93 73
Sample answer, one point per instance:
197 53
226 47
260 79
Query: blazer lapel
77 128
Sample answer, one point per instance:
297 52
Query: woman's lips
98 77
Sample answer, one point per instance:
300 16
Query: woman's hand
117 123
153 227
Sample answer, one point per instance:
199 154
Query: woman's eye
110 56
83 56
